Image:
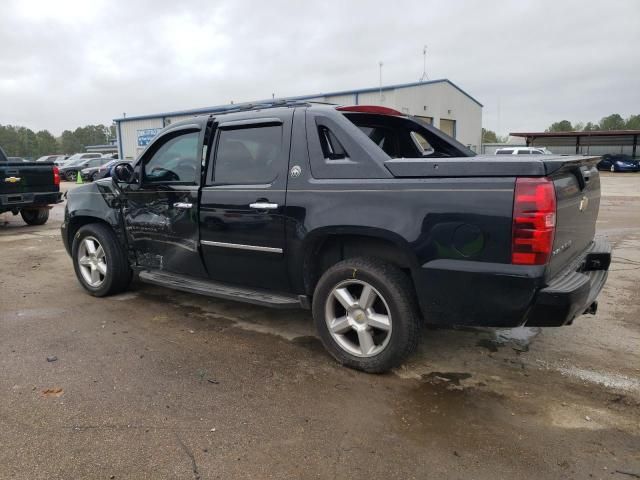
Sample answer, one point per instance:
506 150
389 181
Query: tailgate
577 187
16 178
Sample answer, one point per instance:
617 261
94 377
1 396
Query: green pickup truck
28 188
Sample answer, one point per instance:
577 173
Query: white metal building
440 102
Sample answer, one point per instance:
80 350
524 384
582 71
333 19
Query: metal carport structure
585 142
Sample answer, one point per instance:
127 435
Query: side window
421 144
93 163
175 161
248 155
331 146
504 152
524 152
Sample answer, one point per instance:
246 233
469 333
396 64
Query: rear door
242 227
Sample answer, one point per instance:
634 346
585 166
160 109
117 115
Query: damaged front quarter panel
98 201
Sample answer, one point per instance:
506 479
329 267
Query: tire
35 216
72 176
113 271
389 346
613 168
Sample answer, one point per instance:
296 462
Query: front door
242 203
161 210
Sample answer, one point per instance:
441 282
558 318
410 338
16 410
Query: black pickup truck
29 189
375 220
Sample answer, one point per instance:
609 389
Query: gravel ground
161 384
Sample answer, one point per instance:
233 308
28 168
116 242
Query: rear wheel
35 216
613 168
100 261
366 314
72 176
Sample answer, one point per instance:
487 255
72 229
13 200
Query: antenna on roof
380 63
424 65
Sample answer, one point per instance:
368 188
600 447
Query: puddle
453 378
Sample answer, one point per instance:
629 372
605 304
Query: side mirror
123 173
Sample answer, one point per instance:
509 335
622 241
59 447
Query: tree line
19 141
610 122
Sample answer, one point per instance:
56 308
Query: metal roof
220 108
593 133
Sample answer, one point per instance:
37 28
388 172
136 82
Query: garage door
448 127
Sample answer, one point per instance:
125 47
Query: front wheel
613 168
99 261
72 176
366 315
35 216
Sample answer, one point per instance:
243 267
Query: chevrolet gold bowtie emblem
12 179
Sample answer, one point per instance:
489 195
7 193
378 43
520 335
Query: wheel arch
81 218
326 247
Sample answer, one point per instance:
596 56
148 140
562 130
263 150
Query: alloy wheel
92 262
358 318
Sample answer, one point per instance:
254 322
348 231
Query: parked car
112 156
523 151
299 206
28 189
17 159
618 162
70 171
51 158
98 171
77 158
107 170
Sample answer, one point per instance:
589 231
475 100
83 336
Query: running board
220 290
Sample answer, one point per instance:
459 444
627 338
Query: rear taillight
56 176
534 221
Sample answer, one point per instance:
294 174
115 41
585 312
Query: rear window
383 137
504 152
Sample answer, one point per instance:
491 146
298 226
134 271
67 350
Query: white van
523 151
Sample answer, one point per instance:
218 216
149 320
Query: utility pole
424 65
380 63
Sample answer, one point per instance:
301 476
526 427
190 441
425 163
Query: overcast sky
66 63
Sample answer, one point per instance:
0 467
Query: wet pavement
154 383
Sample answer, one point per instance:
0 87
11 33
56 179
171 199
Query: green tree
612 122
489 136
561 126
47 143
633 122
590 127
69 144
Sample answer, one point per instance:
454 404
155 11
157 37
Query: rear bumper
571 294
16 201
460 292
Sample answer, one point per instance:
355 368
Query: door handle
183 205
264 206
